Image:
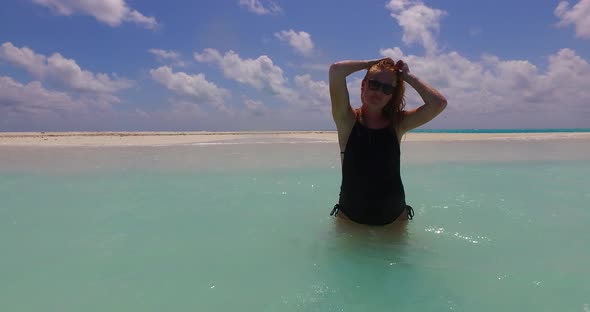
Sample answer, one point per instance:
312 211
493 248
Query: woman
372 191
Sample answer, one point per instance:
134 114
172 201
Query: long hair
394 109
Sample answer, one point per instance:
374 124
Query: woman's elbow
335 68
443 103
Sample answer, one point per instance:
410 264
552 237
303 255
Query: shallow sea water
499 226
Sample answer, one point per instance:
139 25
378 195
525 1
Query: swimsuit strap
335 210
410 212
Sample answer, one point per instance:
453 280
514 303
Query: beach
187 138
194 151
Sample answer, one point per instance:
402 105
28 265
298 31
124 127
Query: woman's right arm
341 110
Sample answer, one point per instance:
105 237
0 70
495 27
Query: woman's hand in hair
403 68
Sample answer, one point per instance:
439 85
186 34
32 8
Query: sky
250 65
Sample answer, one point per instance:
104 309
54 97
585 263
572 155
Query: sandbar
200 137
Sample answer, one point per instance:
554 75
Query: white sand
183 138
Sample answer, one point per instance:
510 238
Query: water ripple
475 239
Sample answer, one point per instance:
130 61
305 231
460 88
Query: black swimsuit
372 191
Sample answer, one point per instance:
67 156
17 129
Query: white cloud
33 107
148 22
59 69
111 12
491 85
255 6
32 98
300 41
166 55
259 73
68 72
262 74
23 57
394 53
419 22
578 15
194 86
311 94
255 108
354 90
494 85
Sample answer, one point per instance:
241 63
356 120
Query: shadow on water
395 234
376 251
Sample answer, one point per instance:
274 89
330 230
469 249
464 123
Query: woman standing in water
372 191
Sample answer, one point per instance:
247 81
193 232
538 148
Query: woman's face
378 89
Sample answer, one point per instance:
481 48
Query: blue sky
227 65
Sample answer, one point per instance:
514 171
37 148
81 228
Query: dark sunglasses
385 88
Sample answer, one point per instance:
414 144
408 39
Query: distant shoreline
123 138
282 132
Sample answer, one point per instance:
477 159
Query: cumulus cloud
70 74
311 94
32 98
494 85
194 86
578 15
62 70
168 56
112 12
262 74
419 22
23 57
300 41
255 108
31 106
502 88
165 55
256 6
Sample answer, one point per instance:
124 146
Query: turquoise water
247 228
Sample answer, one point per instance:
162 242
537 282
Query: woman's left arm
434 101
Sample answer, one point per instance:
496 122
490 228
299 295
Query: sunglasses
385 88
